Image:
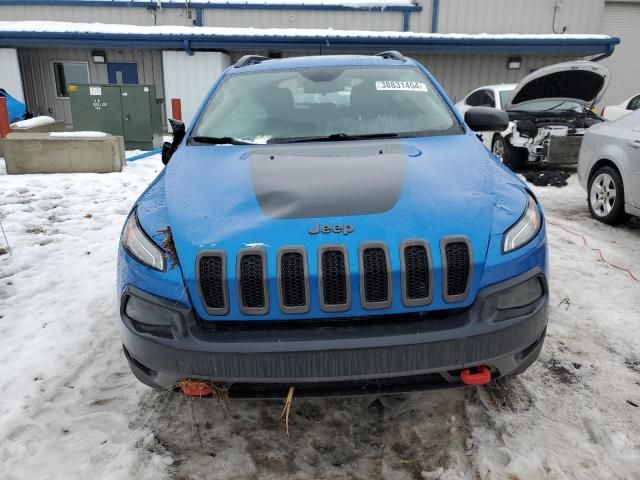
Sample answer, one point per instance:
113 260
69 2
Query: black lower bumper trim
405 357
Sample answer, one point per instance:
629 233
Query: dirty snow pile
71 409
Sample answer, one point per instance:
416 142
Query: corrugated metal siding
190 77
623 20
339 20
469 16
459 74
128 16
421 21
353 20
519 16
39 83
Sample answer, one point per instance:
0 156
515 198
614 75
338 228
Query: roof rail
393 55
250 60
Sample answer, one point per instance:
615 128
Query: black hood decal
328 179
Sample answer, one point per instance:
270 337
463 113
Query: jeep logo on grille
344 229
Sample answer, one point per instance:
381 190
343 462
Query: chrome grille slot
293 280
334 282
252 282
375 275
417 273
211 280
457 264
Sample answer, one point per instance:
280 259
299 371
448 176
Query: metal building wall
352 20
39 83
128 16
10 76
623 19
459 74
456 16
420 22
338 20
518 16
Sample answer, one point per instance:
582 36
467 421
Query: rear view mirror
485 119
169 148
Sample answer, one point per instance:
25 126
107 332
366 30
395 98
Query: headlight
524 229
140 246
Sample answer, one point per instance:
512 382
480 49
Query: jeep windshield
323 104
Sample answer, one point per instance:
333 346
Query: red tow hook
481 376
195 388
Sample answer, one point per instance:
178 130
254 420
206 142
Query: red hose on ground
634 276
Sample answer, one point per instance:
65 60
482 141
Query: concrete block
42 153
57 126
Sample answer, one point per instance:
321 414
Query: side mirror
169 148
167 151
486 119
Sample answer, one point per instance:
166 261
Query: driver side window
481 98
634 103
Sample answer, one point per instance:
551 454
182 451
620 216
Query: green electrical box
129 111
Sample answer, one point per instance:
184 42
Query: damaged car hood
581 82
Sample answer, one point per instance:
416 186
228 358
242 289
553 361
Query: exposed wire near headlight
140 246
525 229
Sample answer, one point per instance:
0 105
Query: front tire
512 157
606 196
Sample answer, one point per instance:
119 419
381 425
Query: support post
435 13
4 118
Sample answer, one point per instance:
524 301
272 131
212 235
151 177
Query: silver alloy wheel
603 195
498 148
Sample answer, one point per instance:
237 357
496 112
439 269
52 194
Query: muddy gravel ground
395 436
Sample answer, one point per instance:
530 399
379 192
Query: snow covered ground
71 409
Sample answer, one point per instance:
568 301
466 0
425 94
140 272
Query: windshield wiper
217 140
335 137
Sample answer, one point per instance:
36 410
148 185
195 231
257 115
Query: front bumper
343 356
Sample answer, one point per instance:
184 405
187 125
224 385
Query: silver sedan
609 169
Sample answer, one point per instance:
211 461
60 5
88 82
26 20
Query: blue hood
233 197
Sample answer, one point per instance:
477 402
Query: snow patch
172 30
33 122
78 134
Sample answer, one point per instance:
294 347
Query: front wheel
511 156
606 196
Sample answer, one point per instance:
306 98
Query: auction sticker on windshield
411 86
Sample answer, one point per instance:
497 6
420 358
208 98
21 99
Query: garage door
622 19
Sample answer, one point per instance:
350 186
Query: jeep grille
333 275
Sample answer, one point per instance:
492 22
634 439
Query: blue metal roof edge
559 44
215 6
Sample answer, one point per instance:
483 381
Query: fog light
148 313
521 295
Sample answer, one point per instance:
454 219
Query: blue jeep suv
332 224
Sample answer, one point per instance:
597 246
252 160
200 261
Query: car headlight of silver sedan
137 244
525 229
